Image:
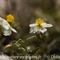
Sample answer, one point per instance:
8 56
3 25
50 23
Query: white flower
39 26
6 28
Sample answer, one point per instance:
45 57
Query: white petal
13 29
34 30
37 30
31 30
43 30
4 23
32 25
47 25
7 32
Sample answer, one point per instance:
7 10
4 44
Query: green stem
30 38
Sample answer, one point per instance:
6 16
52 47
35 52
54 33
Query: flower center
39 22
10 18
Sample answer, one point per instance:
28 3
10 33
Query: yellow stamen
39 22
10 18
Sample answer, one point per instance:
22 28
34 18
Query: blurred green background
25 13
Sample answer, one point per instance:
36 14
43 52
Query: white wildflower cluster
37 27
